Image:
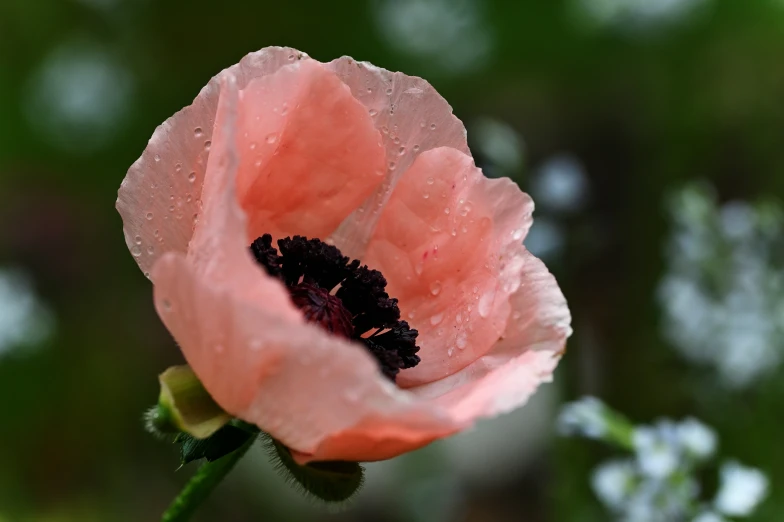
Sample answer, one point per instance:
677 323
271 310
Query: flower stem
202 483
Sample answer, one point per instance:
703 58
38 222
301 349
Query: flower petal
505 377
449 242
412 117
309 152
159 197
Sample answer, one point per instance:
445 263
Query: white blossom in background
78 96
614 482
723 290
24 320
450 34
657 481
500 143
636 14
741 490
560 185
587 417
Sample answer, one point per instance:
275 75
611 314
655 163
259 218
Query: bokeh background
650 133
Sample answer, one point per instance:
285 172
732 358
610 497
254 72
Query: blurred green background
601 109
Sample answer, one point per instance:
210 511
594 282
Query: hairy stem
202 483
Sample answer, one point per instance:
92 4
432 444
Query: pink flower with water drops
334 267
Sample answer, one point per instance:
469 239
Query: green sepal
185 406
332 481
224 441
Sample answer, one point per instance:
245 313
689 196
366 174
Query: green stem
202 483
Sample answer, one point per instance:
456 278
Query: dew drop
385 129
450 351
425 195
207 145
171 208
284 109
151 250
149 216
157 158
192 177
454 232
272 138
178 167
166 304
373 112
138 240
392 165
416 148
432 126
136 251
517 235
459 318
401 151
156 233
447 211
435 287
437 318
389 91
198 132
431 180
462 340
252 145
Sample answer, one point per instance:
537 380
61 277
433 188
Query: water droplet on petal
207 145
435 287
136 251
389 91
151 250
392 165
431 180
401 151
178 167
425 195
437 318
198 132
462 340
149 216
166 304
432 126
517 235
272 138
252 145
450 351
373 112
416 148
446 210
138 240
157 158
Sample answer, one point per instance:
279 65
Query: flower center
342 296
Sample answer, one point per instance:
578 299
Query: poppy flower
334 267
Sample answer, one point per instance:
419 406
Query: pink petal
412 117
309 152
159 197
449 242
505 377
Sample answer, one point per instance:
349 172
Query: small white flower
741 489
696 438
657 456
613 482
587 416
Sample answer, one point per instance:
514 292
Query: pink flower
374 163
